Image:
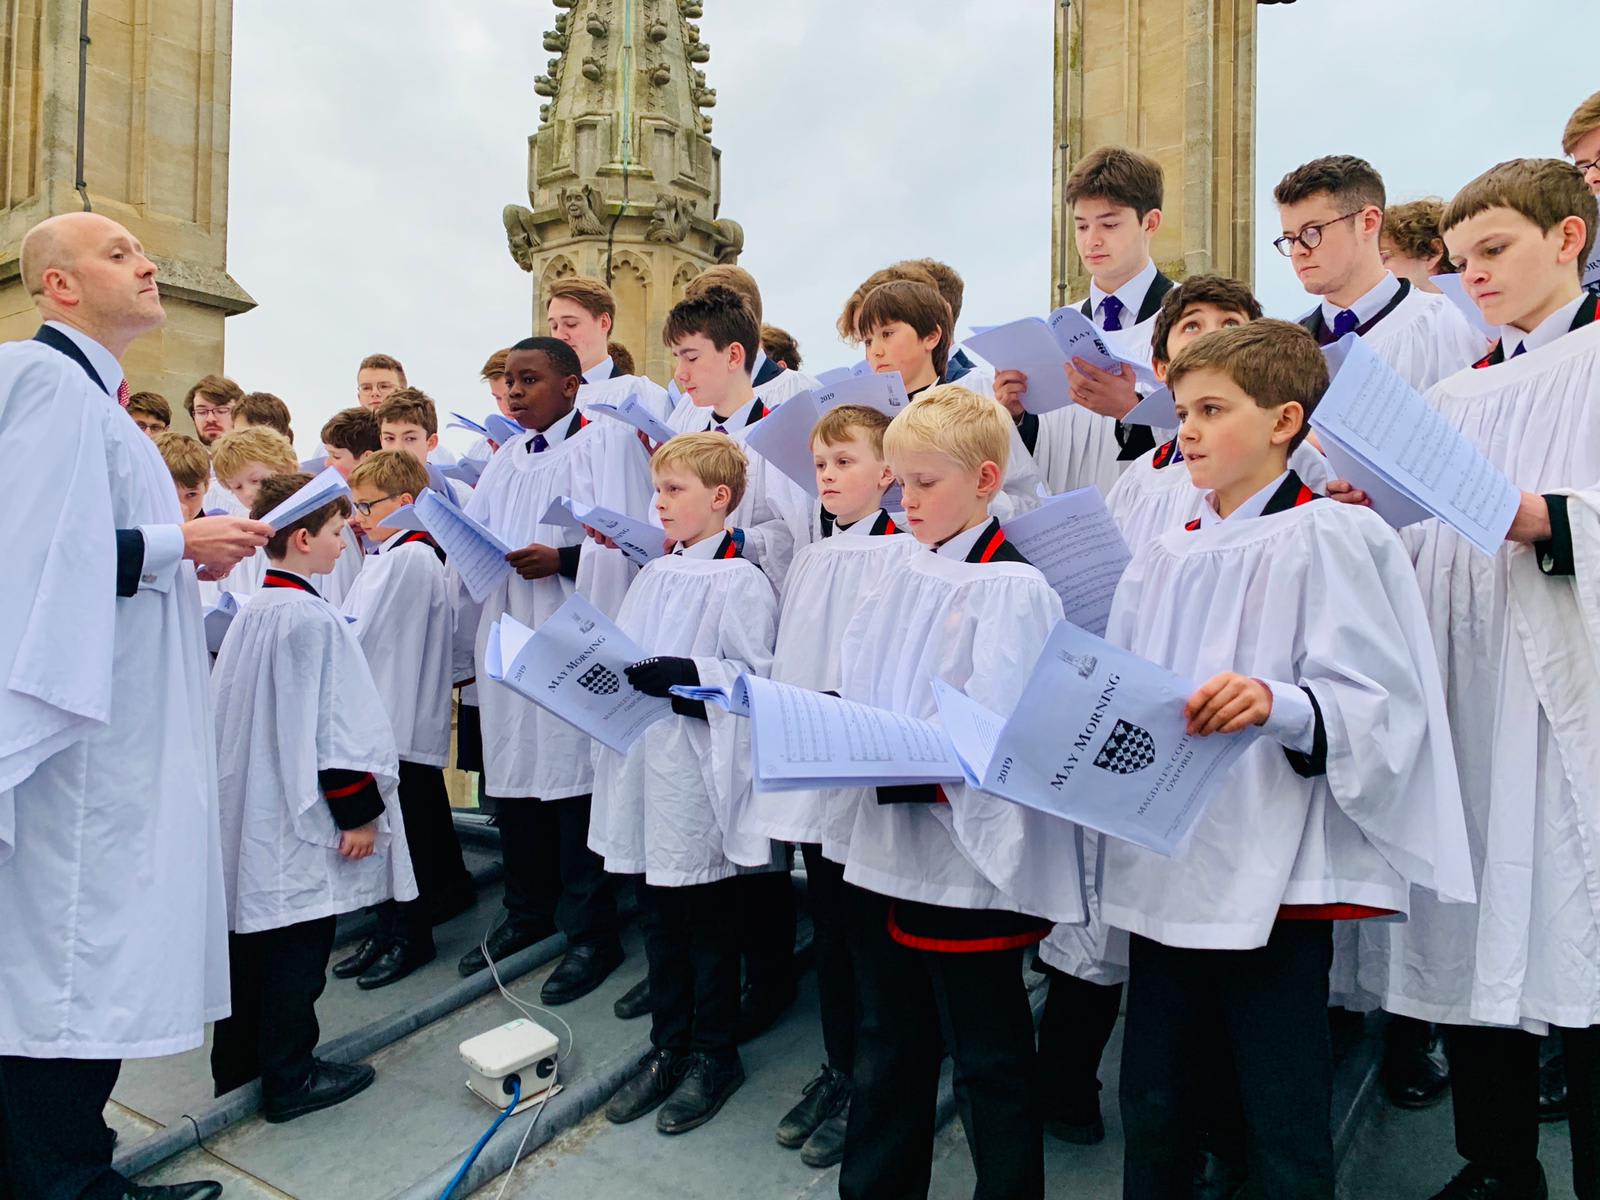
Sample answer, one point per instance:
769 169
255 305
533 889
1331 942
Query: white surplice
614 389
294 696
405 622
1516 651
783 385
666 809
1318 596
1425 339
979 627
113 939
527 750
827 584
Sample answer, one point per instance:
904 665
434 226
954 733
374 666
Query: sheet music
638 539
477 555
1074 541
323 489
633 411
1030 346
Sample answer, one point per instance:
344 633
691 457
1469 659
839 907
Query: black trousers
767 914
435 853
54 1143
276 976
836 977
693 950
551 874
1268 1008
914 1004
1494 1080
1078 1020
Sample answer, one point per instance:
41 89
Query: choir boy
311 827
1307 624
150 412
377 378
706 616
773 382
190 468
580 312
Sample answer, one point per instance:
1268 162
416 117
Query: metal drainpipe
83 89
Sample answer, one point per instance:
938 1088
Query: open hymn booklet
1098 738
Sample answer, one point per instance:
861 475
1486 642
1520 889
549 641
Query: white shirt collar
738 420
704 548
1131 294
961 545
102 360
600 372
557 432
1545 332
1252 507
1367 306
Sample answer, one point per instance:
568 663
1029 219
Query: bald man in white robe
113 943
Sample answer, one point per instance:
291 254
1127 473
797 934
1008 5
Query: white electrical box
522 1048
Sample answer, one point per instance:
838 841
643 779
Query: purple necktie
1111 314
540 443
1522 348
1344 322
719 428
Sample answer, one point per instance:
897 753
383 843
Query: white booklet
1414 460
573 665
783 436
1074 541
639 540
1098 737
1041 348
477 555
326 487
219 619
633 411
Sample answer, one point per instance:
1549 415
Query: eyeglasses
149 426
1585 167
365 507
1310 237
201 410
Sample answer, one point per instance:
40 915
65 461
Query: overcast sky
374 143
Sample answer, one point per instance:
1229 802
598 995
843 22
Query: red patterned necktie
123 393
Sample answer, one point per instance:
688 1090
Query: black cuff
1315 764
130 561
1555 552
567 557
909 793
353 797
1134 440
690 708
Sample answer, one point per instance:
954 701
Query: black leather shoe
825 1146
705 1089
1553 1089
759 1010
635 1002
368 952
199 1189
652 1082
1077 1122
395 963
1477 1184
581 971
819 1100
1416 1072
453 902
330 1084
505 939
1216 1178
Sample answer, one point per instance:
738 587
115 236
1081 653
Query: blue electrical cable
516 1098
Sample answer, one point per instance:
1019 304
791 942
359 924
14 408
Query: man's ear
605 323
1151 222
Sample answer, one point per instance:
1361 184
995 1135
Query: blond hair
391 471
841 424
712 458
186 459
956 422
591 295
1585 119
735 279
235 452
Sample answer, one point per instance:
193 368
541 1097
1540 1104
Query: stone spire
623 181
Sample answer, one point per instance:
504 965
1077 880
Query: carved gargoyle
669 220
582 206
727 240
522 235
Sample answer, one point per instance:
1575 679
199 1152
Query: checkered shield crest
1129 749
600 680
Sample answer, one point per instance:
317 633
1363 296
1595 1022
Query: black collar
1588 312
882 525
757 411
417 535
1291 493
1319 328
769 371
578 422
57 340
988 543
274 578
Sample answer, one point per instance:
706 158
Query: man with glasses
1580 141
210 403
1331 211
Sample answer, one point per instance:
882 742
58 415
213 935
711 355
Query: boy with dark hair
582 313
408 420
1115 197
1308 624
779 346
348 437
1522 685
150 412
772 381
377 378
306 779
264 409
190 467
1331 210
710 616
944 279
537 768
